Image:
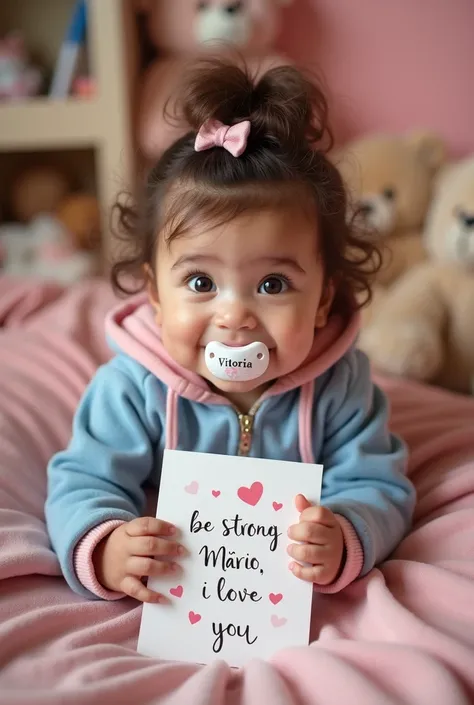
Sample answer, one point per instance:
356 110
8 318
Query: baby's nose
235 315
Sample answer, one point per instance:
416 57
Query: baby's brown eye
273 285
201 284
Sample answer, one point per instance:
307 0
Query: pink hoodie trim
354 559
133 328
171 419
83 564
305 417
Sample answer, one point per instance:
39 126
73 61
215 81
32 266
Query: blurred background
75 105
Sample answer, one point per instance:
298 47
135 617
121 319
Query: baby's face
257 278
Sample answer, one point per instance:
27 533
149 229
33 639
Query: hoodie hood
131 328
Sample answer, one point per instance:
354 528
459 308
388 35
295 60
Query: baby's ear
327 297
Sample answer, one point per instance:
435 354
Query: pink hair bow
214 133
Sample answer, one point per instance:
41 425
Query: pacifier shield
237 364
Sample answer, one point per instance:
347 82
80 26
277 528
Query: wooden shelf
48 124
102 124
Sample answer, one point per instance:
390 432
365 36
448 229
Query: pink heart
216 493
275 599
231 373
194 618
278 621
277 506
251 495
177 591
192 488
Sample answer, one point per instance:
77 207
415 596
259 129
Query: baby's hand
322 547
140 548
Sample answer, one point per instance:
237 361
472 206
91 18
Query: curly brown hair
285 164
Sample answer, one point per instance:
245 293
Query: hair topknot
282 104
285 165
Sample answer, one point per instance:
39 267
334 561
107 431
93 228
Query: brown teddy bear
389 178
425 331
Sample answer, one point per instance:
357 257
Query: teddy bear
185 30
389 179
425 331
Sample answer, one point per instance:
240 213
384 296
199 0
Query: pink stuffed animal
17 78
184 29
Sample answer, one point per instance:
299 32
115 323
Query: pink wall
391 64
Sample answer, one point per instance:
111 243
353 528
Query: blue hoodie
328 411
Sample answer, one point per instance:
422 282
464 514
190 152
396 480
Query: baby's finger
134 588
311 574
301 503
319 515
149 526
152 546
310 532
307 553
148 567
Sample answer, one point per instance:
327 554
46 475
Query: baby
240 237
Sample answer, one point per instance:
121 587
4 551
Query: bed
404 634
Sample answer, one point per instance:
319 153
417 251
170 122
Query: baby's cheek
184 321
298 334
185 333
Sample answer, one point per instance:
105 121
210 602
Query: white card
236 598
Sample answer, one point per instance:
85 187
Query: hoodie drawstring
305 422
305 419
171 420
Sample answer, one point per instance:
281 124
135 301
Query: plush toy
56 233
37 189
43 249
389 178
425 330
18 79
184 30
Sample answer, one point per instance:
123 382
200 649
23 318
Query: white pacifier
237 364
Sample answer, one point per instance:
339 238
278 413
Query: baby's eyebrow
284 262
187 260
194 259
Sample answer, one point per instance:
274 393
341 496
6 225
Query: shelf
100 127
42 123
43 22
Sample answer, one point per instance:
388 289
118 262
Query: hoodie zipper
246 422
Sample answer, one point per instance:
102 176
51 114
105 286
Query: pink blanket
404 634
